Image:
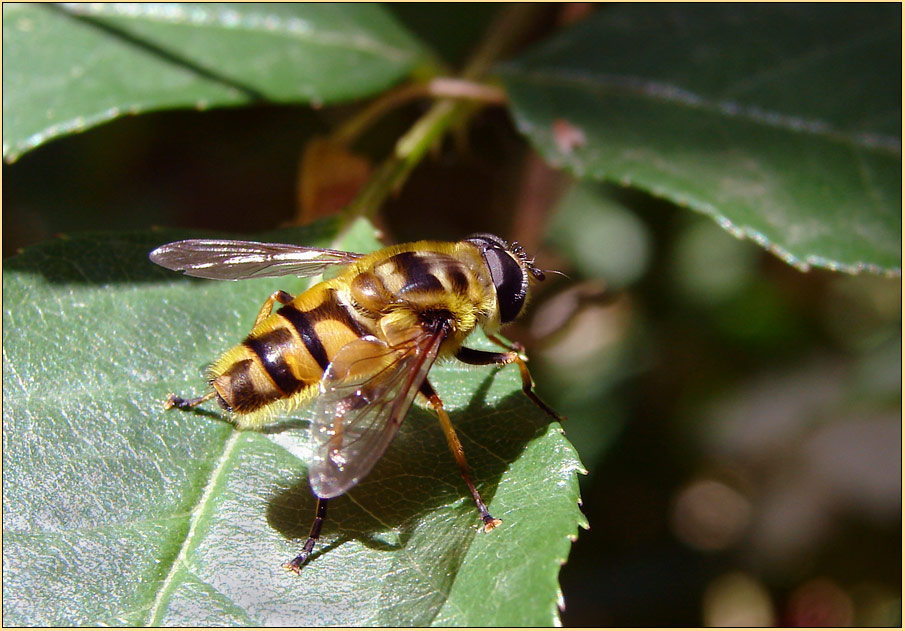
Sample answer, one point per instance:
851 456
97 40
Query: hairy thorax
421 287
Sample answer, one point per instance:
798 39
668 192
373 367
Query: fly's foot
186 404
490 522
296 564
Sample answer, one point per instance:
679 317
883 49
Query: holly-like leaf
117 512
69 67
782 122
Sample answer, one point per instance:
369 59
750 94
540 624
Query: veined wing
365 394
226 259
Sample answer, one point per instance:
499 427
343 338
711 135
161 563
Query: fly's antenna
556 271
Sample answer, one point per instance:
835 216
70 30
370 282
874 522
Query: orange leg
186 404
490 522
280 296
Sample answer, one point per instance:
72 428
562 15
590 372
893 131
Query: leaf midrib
169 583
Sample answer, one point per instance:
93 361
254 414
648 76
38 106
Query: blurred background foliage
740 420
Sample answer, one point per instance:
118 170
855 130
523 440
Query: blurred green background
740 420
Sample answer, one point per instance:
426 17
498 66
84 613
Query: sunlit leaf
69 67
119 513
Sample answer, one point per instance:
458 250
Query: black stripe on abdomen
303 322
271 348
238 389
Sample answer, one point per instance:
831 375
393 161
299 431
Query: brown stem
507 30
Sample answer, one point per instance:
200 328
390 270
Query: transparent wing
225 259
366 392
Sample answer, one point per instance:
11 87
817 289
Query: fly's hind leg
485 358
186 404
490 522
295 565
279 296
174 401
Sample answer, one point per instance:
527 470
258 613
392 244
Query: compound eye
510 281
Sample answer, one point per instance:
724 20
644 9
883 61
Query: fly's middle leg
490 522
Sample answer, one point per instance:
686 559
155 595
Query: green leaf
67 68
117 512
780 122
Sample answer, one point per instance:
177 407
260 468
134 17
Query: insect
361 343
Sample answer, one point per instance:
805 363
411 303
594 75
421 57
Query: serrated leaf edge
574 164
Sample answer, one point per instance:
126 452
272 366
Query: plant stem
439 87
351 129
506 30
408 152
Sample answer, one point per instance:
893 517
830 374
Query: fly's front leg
279 296
518 347
485 358
490 522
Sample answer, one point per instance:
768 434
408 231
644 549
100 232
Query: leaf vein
659 91
169 583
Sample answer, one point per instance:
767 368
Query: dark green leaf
71 67
781 122
119 513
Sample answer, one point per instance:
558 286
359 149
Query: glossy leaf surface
119 513
781 122
69 67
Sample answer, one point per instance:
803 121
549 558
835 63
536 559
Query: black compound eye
510 282
507 274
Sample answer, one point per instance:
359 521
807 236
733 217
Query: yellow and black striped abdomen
279 365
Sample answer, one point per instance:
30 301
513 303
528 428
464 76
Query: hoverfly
361 343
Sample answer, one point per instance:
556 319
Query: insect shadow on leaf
415 487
